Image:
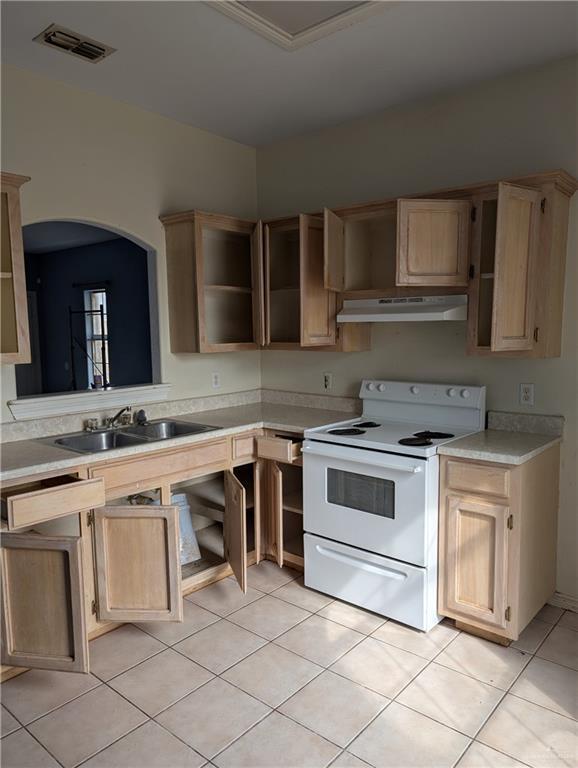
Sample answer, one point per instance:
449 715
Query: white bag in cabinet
189 546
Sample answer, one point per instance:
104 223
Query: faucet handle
90 425
140 417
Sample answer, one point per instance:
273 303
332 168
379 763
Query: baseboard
560 600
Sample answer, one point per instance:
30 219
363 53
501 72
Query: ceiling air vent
68 41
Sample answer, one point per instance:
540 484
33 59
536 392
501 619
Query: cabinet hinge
472 271
508 613
90 517
473 213
536 334
543 205
338 332
510 522
93 607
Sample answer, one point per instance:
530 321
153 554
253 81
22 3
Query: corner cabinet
497 542
14 336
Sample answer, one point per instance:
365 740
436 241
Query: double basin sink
122 437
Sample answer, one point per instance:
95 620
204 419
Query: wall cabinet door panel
334 251
43 620
318 304
235 528
475 560
517 241
433 242
137 561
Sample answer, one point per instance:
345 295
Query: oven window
363 492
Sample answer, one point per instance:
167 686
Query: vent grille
71 42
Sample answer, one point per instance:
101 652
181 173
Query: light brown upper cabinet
14 333
214 282
518 263
299 310
433 242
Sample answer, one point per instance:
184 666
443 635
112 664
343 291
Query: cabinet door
318 304
14 332
137 562
235 528
517 241
433 242
259 319
475 560
333 251
43 621
275 486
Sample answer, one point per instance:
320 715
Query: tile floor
284 676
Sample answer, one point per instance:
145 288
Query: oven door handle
412 470
362 565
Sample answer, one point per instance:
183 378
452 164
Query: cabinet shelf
293 502
228 288
6 275
487 276
285 288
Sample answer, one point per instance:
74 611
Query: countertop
499 446
24 458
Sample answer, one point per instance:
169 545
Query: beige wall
97 160
513 125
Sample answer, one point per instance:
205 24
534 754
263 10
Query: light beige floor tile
352 617
400 737
532 734
158 682
549 685
378 666
320 640
480 756
171 632
267 576
220 646
278 741
550 614
9 723
347 760
39 691
451 698
488 662
120 650
269 617
426 644
83 727
209 719
561 647
334 707
20 750
569 620
531 638
295 592
150 746
224 597
272 674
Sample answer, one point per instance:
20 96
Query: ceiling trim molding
248 18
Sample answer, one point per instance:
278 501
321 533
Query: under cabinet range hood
402 310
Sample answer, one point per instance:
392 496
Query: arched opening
92 309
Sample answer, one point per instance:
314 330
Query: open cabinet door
318 304
235 528
257 267
517 242
276 505
333 251
137 563
43 621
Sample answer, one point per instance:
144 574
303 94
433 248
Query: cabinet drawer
244 447
139 473
48 499
479 478
278 449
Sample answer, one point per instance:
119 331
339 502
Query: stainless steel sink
96 442
164 429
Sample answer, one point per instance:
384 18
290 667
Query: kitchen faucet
113 421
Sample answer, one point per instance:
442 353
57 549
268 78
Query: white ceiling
189 62
50 236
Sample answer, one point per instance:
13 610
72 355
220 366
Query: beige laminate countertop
24 458
499 446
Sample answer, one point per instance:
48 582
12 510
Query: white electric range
370 496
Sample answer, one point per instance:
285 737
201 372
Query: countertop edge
497 457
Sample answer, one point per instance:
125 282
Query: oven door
379 502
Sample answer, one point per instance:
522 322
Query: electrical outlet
327 381
216 380
526 394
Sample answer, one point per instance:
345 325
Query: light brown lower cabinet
497 542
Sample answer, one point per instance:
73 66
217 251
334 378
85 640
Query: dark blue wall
121 264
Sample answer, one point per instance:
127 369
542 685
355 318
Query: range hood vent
403 310
71 42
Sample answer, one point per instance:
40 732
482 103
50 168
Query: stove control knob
414 390
452 392
381 387
370 386
465 393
